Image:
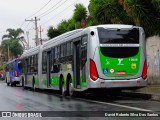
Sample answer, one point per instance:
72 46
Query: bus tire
70 91
7 83
62 87
12 84
22 82
75 94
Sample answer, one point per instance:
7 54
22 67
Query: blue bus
12 72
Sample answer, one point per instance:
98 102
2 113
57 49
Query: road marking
118 105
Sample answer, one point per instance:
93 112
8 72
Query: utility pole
40 35
36 29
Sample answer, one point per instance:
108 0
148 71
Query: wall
153 60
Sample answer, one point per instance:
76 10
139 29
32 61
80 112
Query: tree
13 34
108 12
15 48
11 42
156 4
144 13
66 25
52 32
80 14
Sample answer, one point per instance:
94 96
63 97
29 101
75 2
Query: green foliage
144 13
52 32
13 33
2 66
12 42
137 12
80 12
15 48
156 4
108 12
64 26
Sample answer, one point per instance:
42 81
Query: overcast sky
14 12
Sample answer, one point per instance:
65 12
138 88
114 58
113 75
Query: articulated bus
94 58
12 72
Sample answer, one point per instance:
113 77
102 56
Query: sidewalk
151 92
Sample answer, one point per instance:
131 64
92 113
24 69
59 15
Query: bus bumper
16 80
127 83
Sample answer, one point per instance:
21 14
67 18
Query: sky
13 14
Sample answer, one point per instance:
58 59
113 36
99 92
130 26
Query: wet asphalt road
19 99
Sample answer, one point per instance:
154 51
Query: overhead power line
48 12
39 9
22 24
50 8
27 26
59 12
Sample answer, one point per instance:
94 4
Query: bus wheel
70 88
62 87
7 83
12 84
22 82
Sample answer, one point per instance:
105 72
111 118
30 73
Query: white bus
94 58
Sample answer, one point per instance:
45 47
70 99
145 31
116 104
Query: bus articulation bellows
103 56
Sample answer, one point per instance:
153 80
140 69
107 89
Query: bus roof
31 51
61 38
12 61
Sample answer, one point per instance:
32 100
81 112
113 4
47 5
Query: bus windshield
117 36
113 37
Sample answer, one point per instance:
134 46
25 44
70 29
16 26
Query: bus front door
48 68
76 64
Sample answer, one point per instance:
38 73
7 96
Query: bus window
20 66
58 52
52 59
28 65
71 48
116 38
32 63
35 63
44 67
62 50
68 49
83 51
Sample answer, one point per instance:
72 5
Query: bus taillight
144 72
93 70
16 73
